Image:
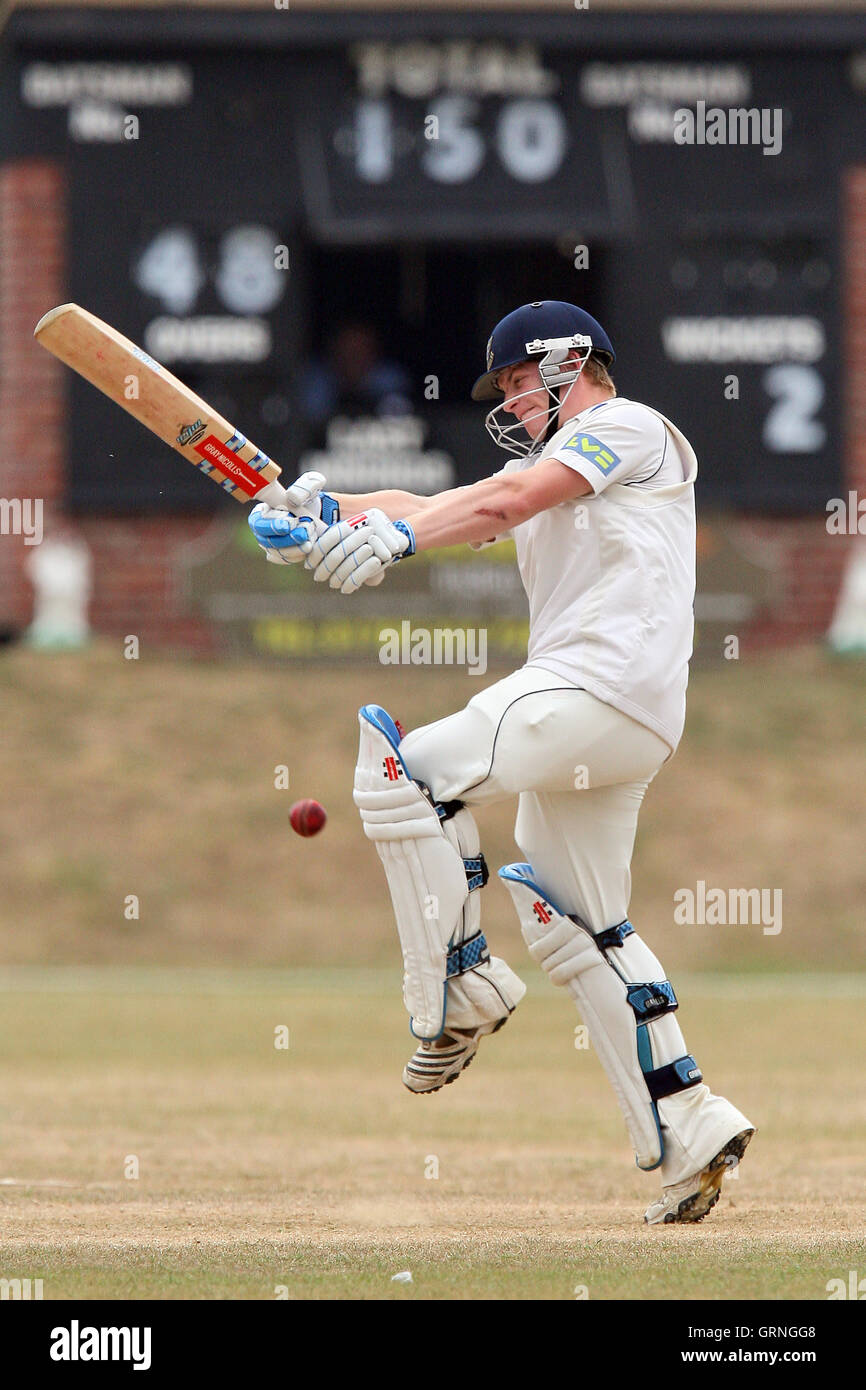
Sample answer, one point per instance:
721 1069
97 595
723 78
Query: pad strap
467 955
477 872
652 1000
676 1076
614 936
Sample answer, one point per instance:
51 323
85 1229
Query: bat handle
273 495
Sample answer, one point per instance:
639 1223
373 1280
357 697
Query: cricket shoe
691 1199
439 1061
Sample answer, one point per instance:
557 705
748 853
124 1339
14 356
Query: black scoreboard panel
735 187
393 154
567 142
174 240
200 235
735 339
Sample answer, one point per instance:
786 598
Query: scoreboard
211 157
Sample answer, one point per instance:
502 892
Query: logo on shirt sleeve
591 448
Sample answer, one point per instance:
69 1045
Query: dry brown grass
156 778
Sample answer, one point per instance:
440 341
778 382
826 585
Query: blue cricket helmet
526 333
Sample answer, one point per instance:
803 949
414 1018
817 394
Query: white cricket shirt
610 576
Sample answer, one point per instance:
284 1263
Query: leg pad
614 979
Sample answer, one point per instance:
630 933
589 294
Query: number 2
790 426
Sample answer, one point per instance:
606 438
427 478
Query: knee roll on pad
626 1003
434 868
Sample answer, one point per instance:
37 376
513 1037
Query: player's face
526 396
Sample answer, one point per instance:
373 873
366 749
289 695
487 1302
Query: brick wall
134 556
32 236
134 574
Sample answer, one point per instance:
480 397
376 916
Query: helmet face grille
561 371
511 434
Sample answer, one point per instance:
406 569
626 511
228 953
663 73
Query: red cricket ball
307 817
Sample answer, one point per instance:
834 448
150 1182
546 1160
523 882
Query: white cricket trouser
580 769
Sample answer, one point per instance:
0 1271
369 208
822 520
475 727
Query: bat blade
142 387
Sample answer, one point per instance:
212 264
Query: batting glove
359 550
286 535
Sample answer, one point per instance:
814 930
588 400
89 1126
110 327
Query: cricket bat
131 378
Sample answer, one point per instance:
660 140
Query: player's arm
495 504
357 551
391 501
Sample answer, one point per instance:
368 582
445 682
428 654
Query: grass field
303 1171
148 1040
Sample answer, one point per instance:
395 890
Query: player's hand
359 550
284 537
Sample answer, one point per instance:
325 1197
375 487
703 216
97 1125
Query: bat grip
273 495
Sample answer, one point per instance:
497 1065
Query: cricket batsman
598 497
